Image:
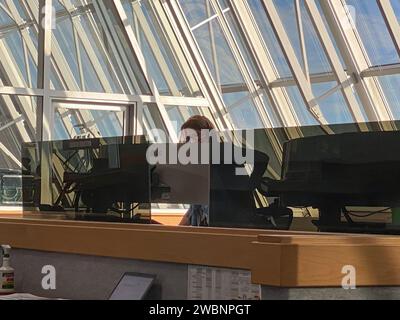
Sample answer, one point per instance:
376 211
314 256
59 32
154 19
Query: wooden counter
289 259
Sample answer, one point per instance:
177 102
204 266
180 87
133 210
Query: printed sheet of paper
208 283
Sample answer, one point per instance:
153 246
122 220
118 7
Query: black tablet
132 286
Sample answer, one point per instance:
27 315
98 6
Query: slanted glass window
272 43
164 57
179 114
223 66
396 8
18 44
315 58
17 125
153 123
197 11
373 32
391 85
302 111
250 63
332 105
91 52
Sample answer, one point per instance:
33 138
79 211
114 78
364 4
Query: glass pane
318 3
218 55
179 114
93 53
17 125
333 107
242 110
88 121
92 181
241 43
396 7
316 58
226 73
270 39
165 59
390 85
374 33
304 115
18 52
250 63
196 11
152 122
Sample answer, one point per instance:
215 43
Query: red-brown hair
198 123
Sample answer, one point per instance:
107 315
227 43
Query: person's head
193 127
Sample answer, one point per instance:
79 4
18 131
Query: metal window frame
354 54
357 77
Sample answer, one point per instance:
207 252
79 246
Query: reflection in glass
87 121
17 125
91 180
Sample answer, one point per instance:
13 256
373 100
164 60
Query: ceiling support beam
356 59
336 65
289 52
391 21
199 67
277 96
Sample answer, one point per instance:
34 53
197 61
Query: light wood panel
276 258
155 243
318 261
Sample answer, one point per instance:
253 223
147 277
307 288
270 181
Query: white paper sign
208 283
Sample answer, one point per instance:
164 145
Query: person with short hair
197 215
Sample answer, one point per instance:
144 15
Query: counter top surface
276 258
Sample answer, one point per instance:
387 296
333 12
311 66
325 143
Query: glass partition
103 179
345 182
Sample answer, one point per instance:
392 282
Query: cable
368 214
124 211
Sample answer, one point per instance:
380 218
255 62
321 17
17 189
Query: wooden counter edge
275 258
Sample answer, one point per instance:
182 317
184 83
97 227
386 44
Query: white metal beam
241 63
334 60
302 40
197 63
354 54
143 65
392 22
380 71
278 97
287 48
